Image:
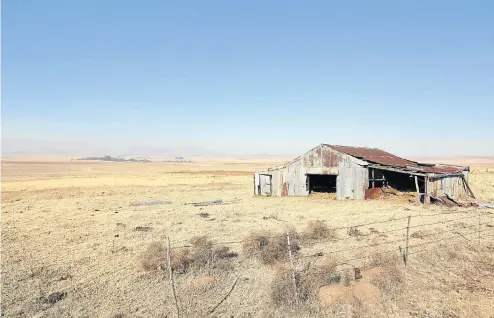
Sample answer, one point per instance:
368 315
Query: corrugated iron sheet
382 157
351 183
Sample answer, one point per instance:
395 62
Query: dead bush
154 257
282 289
199 254
317 230
308 283
353 231
269 247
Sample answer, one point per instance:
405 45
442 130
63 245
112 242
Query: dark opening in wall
321 183
399 181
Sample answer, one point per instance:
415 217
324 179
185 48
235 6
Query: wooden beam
373 180
448 175
417 188
468 187
397 170
427 194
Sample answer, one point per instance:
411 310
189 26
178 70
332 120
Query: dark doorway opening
321 183
396 180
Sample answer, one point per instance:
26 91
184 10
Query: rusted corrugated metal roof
382 157
374 155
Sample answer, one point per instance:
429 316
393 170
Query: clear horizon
247 78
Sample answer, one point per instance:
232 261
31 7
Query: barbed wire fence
405 244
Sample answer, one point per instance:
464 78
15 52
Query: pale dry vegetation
318 230
74 243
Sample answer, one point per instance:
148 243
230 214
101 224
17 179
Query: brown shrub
308 283
317 230
353 231
271 248
201 253
181 260
282 289
154 257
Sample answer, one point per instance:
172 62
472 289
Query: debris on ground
150 203
206 203
213 202
143 228
486 205
373 193
203 214
53 298
448 201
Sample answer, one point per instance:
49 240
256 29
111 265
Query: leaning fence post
293 268
170 272
405 258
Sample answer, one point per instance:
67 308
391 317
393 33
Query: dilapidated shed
351 173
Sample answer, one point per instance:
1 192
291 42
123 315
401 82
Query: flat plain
74 227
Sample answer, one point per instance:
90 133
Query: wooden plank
417 188
468 187
397 170
427 194
373 179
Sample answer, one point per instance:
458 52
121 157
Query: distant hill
110 158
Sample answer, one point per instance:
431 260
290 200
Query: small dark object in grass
96 210
353 231
116 211
204 214
116 235
54 298
143 228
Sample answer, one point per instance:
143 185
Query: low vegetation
318 230
270 247
201 253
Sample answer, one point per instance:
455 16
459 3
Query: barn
353 173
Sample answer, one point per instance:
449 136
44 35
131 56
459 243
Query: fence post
479 229
170 272
293 268
405 258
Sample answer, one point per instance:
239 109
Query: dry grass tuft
269 247
308 283
393 279
317 230
154 257
353 231
201 253
282 289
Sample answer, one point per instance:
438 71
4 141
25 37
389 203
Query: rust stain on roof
382 157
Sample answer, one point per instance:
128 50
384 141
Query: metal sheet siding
265 183
452 186
256 184
351 183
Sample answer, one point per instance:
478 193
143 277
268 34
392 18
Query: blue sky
248 77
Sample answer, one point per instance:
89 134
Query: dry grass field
74 228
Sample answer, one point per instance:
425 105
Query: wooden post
427 194
417 188
373 179
293 268
405 258
170 271
468 187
